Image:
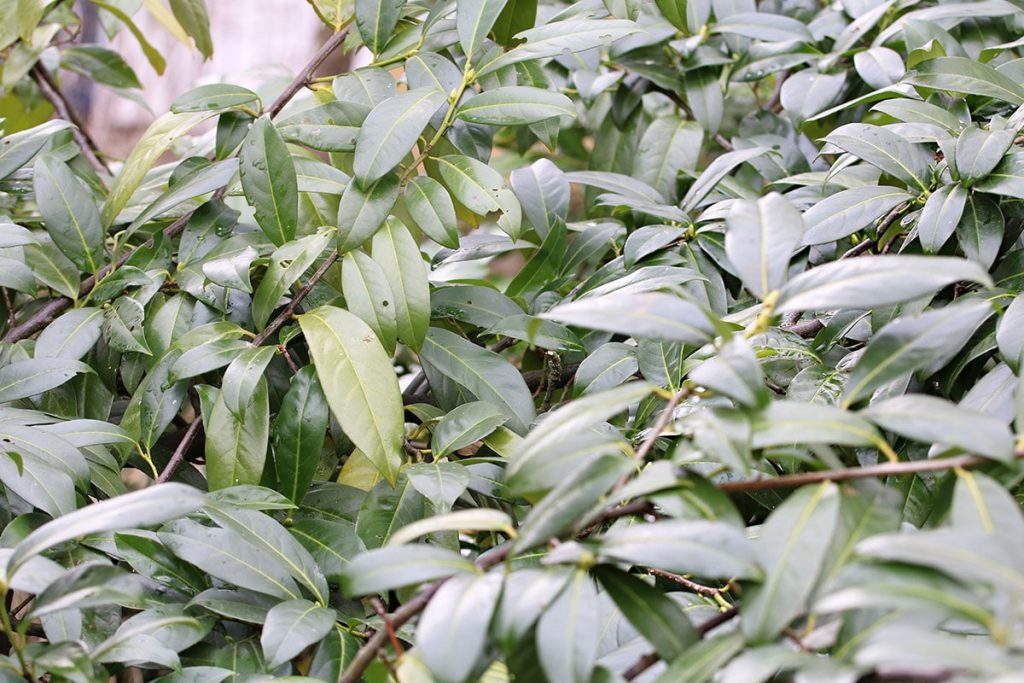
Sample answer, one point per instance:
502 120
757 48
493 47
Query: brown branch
888 469
305 76
690 585
651 658
648 445
178 456
282 317
368 652
53 308
51 91
378 607
12 320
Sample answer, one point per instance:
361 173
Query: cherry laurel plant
566 342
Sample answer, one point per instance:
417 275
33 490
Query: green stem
468 75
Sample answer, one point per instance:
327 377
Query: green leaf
192 16
885 150
791 547
384 569
298 434
472 519
269 181
568 632
236 443
24 378
465 425
643 316
561 37
712 549
566 504
452 634
153 56
669 145
966 76
287 264
735 373
214 97
360 384
431 208
760 239
101 65
515 106
368 295
69 212
978 152
981 229
398 255
223 554
362 212
935 420
483 373
291 627
870 282
763 26
573 418
844 213
651 612
940 216
242 376
391 130
123 326
784 423
71 335
376 21
910 343
473 21
701 662
141 508
154 142
473 304
515 17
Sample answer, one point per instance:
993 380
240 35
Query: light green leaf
390 131
396 252
291 627
515 106
791 547
360 384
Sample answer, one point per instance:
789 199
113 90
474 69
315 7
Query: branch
659 426
53 308
651 658
305 76
64 110
282 317
178 456
889 469
368 652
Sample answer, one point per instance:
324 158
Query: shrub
583 342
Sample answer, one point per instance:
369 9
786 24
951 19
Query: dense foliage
587 342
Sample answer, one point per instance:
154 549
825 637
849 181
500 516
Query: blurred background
254 41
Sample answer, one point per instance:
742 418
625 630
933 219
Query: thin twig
53 308
889 469
651 658
368 652
690 585
306 75
378 607
774 103
178 456
51 91
282 317
12 320
659 426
